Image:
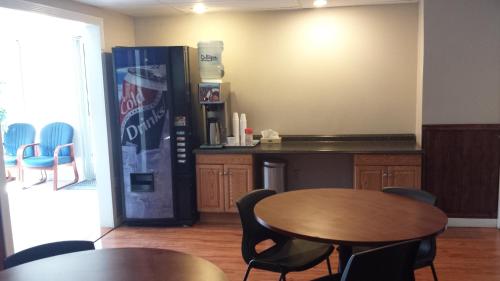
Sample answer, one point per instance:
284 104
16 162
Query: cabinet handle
221 174
384 174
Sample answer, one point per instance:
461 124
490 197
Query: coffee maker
214 99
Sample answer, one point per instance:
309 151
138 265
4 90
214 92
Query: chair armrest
20 150
59 147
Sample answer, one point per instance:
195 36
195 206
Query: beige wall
118 29
329 71
462 62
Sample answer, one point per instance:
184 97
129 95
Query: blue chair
55 149
17 135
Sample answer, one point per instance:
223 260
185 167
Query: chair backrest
389 263
47 250
412 193
253 231
18 134
427 246
55 134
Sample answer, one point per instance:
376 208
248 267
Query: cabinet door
210 188
404 176
370 177
238 182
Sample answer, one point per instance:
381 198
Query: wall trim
448 127
463 222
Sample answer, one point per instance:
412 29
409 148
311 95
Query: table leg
345 252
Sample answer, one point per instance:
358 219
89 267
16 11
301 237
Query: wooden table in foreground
123 264
348 217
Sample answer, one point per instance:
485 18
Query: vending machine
157 113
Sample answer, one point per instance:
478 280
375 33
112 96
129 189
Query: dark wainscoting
461 167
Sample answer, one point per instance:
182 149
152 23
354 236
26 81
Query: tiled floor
40 215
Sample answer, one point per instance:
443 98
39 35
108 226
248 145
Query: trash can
274 175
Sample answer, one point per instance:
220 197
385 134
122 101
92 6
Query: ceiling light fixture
319 3
199 8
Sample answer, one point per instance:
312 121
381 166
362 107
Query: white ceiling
139 8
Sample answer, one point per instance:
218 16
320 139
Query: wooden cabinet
375 171
222 180
370 177
210 191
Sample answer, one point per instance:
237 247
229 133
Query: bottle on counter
249 136
243 126
236 128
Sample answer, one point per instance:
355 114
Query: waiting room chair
55 149
287 254
17 135
47 250
427 249
389 263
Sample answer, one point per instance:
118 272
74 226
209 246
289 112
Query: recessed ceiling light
319 3
199 8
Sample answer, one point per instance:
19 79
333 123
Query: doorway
44 79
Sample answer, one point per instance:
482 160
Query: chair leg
75 172
282 277
55 177
43 177
434 272
248 272
8 176
329 266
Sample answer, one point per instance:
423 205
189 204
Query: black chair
47 250
287 254
427 249
389 263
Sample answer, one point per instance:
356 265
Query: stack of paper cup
243 126
236 128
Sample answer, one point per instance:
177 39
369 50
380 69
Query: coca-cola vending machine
157 123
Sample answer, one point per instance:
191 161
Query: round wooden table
349 217
121 264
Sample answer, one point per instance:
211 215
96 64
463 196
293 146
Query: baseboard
461 222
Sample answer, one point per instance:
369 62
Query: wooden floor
471 254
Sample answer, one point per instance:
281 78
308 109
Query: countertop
381 144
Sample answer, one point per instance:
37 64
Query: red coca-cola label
136 98
142 107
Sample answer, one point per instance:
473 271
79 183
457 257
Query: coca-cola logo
141 108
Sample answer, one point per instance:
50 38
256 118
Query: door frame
102 134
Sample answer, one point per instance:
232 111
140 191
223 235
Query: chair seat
424 258
293 255
10 160
44 161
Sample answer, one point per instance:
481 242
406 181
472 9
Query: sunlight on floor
40 215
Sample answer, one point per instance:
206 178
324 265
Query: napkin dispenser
270 136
